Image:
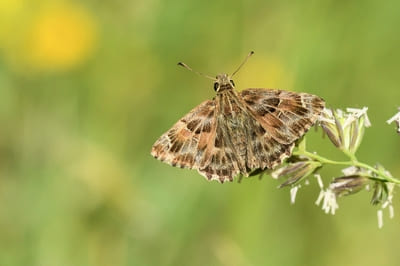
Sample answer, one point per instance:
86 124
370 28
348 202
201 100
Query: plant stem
320 158
381 175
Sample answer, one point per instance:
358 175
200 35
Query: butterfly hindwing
285 115
223 164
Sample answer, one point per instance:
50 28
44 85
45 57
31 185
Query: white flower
293 192
327 116
380 218
391 211
277 173
356 113
396 119
345 129
352 170
319 180
328 198
386 204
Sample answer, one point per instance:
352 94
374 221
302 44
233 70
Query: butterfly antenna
244 62
198 73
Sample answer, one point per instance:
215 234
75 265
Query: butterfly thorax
223 82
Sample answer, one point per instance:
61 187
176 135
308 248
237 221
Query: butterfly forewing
188 143
285 115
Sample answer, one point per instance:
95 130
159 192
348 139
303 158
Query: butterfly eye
216 86
233 83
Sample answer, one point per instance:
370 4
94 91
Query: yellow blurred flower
43 37
60 38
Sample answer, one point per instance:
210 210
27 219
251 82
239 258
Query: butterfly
238 132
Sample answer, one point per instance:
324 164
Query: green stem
320 158
354 162
350 155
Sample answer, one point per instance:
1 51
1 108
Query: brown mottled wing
285 115
241 143
186 144
196 141
224 162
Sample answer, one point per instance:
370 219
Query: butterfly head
223 82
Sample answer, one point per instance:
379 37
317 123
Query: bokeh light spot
60 38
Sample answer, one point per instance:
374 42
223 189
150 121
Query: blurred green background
86 87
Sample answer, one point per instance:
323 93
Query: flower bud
380 193
295 171
347 185
345 129
329 125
